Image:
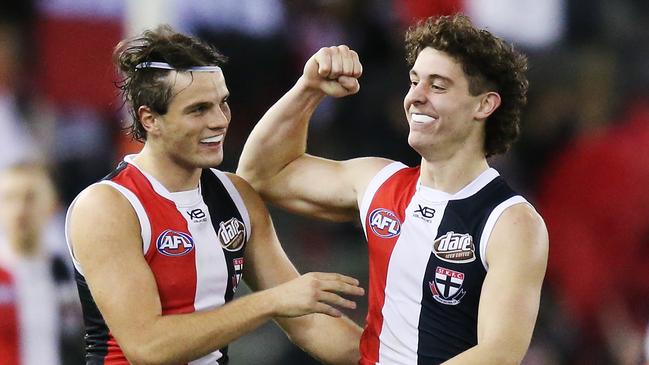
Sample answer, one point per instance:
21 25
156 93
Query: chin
419 145
415 142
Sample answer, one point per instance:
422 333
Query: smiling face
443 116
192 132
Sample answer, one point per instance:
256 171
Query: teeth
213 139
422 118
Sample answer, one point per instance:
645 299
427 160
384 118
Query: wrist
309 89
268 301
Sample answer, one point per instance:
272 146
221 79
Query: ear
489 102
147 119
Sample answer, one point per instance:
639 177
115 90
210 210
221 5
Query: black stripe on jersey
97 332
121 166
222 208
447 330
96 336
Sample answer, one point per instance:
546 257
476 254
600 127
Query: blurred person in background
457 258
39 311
160 244
595 201
15 137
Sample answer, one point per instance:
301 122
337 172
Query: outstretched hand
315 292
334 71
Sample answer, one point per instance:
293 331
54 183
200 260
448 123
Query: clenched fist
334 71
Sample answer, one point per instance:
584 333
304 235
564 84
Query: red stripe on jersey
395 193
175 276
9 337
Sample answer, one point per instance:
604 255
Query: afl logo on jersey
384 223
232 234
174 243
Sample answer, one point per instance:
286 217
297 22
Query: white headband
166 66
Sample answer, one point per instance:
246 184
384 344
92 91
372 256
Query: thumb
349 83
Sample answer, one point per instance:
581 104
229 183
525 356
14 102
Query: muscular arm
108 246
332 340
274 158
517 257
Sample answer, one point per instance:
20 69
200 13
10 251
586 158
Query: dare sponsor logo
384 223
455 247
446 287
232 234
174 243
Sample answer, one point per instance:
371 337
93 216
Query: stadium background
582 158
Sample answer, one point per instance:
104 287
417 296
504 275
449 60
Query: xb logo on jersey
384 223
174 243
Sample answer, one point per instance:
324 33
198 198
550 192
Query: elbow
147 354
510 357
254 179
501 354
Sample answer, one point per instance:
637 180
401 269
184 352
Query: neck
451 175
172 175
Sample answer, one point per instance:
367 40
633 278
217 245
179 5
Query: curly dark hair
149 86
490 65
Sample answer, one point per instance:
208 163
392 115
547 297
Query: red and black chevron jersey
427 264
194 243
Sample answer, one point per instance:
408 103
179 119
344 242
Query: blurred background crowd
582 159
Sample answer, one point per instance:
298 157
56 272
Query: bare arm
331 339
120 279
274 158
517 256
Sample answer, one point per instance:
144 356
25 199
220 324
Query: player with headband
160 244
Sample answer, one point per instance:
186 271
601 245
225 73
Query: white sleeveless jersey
427 264
194 243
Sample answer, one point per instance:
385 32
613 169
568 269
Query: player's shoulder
363 169
521 223
249 195
522 215
99 200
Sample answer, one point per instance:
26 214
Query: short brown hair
148 86
490 65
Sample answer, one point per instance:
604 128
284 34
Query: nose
416 94
220 118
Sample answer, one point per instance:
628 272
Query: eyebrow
433 77
189 108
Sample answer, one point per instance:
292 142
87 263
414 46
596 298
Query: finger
349 83
336 63
340 286
358 67
327 309
335 299
343 288
323 58
348 60
334 276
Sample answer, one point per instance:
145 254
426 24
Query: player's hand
315 293
334 71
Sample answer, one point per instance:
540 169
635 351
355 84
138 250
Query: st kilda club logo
232 234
